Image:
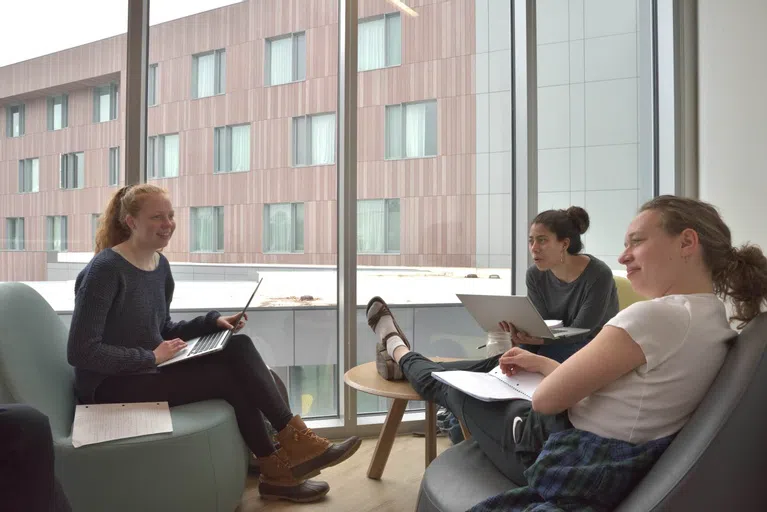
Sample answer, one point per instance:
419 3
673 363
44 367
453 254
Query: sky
32 28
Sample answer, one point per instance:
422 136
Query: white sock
385 326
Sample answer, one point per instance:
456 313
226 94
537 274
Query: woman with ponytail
121 331
598 421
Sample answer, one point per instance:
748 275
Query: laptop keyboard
209 342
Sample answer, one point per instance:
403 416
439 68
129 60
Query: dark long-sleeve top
122 313
588 303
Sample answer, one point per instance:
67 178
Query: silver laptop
490 310
209 343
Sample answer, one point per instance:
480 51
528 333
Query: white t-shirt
684 340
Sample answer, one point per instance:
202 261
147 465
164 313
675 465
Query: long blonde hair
112 229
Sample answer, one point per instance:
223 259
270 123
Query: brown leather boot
278 483
309 453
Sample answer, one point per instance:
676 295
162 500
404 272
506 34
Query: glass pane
371 53
392 226
171 156
415 130
104 105
279 227
240 148
371 226
323 129
281 61
300 156
206 69
300 65
57 114
393 40
590 148
299 227
394 134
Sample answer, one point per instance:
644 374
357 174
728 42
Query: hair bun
579 217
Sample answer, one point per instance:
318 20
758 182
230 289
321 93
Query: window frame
228 149
102 90
193 224
308 139
65 162
152 83
295 77
387 202
113 156
50 221
15 244
219 73
51 103
387 57
266 236
9 111
155 156
403 129
22 175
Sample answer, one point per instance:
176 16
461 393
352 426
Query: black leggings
490 423
237 374
27 481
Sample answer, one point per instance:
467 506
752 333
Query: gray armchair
200 467
717 462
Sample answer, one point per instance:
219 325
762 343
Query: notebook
493 386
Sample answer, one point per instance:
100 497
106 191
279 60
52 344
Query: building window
151 96
314 140
284 227
105 103
379 42
94 226
72 171
231 148
56 233
14 115
58 112
411 130
163 156
114 166
29 175
208 74
378 226
286 59
207 229
14 234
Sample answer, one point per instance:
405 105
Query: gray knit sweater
121 314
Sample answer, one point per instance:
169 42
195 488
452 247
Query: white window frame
155 157
298 68
387 203
52 101
219 73
60 245
98 93
114 166
267 237
308 139
28 167
153 81
403 130
71 175
10 110
14 225
222 149
389 59
193 237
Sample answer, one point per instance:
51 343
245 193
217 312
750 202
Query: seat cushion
460 478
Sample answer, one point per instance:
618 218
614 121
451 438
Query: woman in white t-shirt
644 374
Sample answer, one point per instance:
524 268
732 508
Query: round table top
365 378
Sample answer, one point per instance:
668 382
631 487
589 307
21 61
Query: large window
162 156
378 226
411 130
209 74
286 59
29 175
114 166
379 42
284 227
14 234
58 112
14 126
231 148
314 140
56 233
207 230
152 84
72 171
105 104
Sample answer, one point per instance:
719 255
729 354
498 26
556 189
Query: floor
351 490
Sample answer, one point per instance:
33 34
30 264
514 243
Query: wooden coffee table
365 378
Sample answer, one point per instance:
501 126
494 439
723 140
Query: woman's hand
518 359
519 337
234 321
168 349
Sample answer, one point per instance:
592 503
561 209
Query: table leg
431 432
386 438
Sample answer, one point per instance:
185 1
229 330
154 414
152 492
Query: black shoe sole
270 495
312 467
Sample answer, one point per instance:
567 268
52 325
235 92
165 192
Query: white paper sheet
108 422
492 386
